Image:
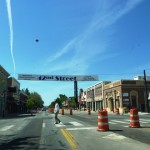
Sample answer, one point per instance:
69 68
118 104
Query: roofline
2 68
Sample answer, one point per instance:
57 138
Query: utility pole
147 102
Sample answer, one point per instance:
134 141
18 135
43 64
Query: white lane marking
85 128
127 120
114 136
112 122
7 128
76 123
43 125
119 121
143 121
126 126
60 125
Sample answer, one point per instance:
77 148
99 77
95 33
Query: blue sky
108 38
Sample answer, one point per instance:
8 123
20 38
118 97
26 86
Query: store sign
57 77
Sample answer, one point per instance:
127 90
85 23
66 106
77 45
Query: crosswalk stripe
140 120
112 122
82 128
145 120
60 125
119 121
43 125
72 122
7 128
127 120
76 123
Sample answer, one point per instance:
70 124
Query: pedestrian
56 111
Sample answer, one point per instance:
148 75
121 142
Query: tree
26 91
36 98
63 97
72 102
52 104
60 99
30 104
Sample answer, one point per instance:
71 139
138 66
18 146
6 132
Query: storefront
3 90
125 94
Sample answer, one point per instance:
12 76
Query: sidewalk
96 112
16 115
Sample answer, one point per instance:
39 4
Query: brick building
3 89
126 94
94 98
13 96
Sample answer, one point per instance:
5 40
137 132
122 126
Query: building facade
3 90
13 95
82 99
125 94
94 98
122 95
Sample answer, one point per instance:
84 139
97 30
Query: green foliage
72 102
34 100
60 100
63 98
38 102
26 91
52 104
30 103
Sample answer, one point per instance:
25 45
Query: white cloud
85 48
11 32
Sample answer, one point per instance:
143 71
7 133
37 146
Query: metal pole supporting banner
147 102
76 92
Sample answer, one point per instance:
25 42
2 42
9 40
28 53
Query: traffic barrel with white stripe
89 111
62 111
51 110
103 120
134 118
117 111
70 111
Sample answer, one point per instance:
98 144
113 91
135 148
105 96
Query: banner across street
58 77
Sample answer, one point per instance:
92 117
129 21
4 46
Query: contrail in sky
11 31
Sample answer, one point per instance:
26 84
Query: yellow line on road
69 137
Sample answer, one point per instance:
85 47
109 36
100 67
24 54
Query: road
77 131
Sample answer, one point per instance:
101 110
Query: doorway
133 101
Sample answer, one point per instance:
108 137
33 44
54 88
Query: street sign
58 77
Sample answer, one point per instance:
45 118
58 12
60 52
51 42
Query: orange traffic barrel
117 111
103 120
134 118
89 111
70 111
62 111
51 110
